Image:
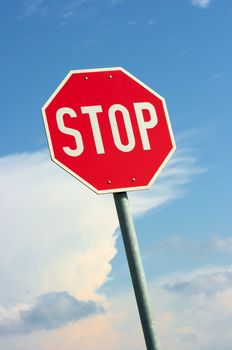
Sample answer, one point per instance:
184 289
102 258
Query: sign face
108 129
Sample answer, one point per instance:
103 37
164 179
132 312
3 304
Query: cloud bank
192 310
195 309
56 235
214 244
170 185
51 311
198 317
65 231
59 236
208 281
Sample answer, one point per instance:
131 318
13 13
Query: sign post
112 132
136 268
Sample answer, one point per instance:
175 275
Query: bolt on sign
108 129
113 133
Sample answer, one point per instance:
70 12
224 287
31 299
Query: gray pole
136 268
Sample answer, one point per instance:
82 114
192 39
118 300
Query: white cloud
199 320
55 233
192 310
170 184
223 244
207 281
201 3
59 236
58 233
50 311
200 305
31 7
59 9
189 246
75 10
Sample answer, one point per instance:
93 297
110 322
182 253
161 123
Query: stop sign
108 129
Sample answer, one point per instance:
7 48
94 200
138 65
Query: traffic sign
113 133
108 129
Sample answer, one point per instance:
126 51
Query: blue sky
63 269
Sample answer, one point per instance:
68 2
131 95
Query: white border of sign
74 174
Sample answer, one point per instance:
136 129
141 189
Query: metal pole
136 268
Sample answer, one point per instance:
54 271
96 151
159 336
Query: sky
65 282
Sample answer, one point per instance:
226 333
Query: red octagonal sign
108 129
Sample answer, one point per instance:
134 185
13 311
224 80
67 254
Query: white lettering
114 126
92 111
145 125
69 131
